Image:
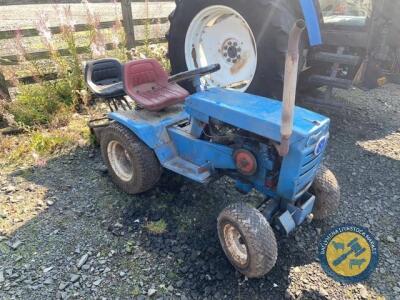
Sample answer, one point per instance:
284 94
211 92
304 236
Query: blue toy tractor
263 144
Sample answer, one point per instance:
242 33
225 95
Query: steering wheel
194 73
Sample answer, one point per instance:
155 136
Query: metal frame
175 136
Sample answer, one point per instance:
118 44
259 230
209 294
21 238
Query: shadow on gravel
91 214
188 255
355 118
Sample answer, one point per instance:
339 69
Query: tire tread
259 236
146 164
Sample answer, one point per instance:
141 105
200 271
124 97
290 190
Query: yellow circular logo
348 253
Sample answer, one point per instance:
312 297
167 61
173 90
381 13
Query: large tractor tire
248 40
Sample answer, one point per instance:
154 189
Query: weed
39 104
136 291
37 146
46 144
129 247
158 227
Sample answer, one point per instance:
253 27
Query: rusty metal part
235 245
290 86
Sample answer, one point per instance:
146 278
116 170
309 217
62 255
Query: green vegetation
158 227
42 104
46 144
37 146
44 110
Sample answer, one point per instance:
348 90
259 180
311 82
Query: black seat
104 78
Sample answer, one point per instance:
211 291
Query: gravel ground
67 232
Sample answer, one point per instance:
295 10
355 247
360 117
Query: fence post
126 7
4 93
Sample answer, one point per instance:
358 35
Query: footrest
187 169
331 81
342 59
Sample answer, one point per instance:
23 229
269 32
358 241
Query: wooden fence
127 20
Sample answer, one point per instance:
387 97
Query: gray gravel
91 242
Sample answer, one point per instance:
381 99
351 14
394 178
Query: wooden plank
126 7
12 60
31 32
25 2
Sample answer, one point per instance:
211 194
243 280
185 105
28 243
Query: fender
311 17
150 128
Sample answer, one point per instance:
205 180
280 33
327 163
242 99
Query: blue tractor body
266 145
175 135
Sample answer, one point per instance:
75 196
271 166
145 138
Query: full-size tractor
271 146
249 39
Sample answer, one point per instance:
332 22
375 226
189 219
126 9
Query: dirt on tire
327 193
147 169
257 234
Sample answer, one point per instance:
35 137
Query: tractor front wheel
327 193
133 166
247 240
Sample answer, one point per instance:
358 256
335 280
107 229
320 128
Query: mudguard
311 17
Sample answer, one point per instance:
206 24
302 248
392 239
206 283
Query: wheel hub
120 161
221 35
235 245
231 50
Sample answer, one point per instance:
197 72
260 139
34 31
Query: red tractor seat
146 82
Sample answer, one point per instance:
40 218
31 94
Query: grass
37 146
158 227
42 104
45 109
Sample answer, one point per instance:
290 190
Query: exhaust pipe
290 86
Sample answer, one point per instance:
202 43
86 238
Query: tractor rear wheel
132 165
249 41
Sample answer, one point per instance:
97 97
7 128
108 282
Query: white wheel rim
120 161
219 34
235 245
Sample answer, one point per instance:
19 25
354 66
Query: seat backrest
103 71
143 71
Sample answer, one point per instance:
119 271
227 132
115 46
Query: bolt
226 48
235 44
225 54
234 61
228 60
